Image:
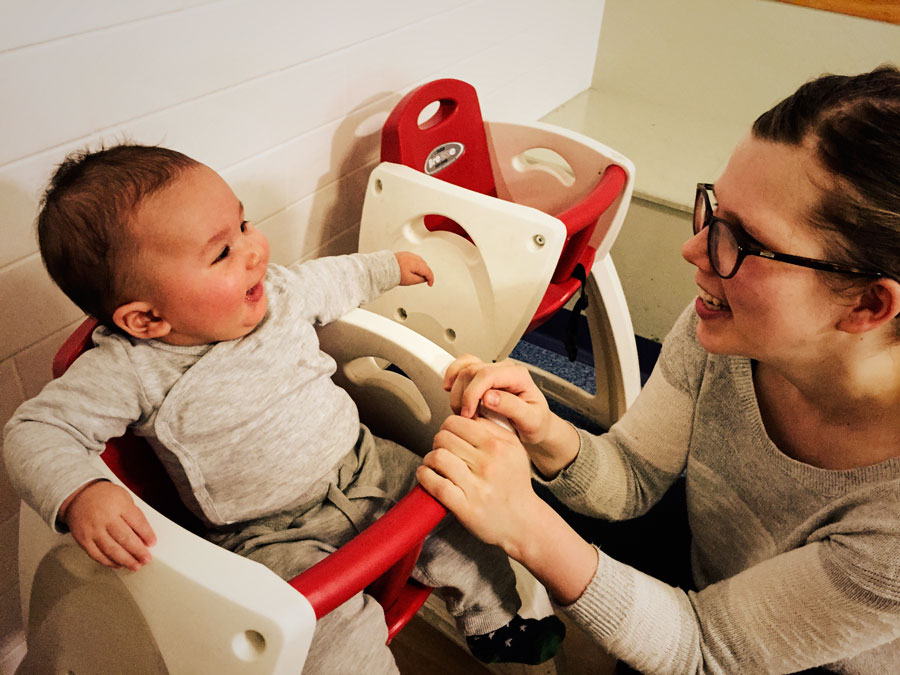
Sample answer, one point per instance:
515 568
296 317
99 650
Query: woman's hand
507 389
481 473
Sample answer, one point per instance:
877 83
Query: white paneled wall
284 98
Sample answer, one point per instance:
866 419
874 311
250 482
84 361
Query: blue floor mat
544 348
579 374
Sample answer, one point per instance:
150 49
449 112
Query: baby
210 352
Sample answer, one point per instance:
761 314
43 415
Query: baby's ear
139 320
876 305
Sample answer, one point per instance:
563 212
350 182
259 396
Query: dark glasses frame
745 246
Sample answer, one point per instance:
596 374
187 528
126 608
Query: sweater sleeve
622 473
810 606
332 286
50 438
823 590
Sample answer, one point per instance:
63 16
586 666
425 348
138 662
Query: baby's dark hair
850 123
83 224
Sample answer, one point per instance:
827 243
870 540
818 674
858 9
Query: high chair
514 219
197 608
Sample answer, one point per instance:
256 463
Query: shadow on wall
31 307
355 151
14 203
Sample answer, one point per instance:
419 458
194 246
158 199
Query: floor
422 649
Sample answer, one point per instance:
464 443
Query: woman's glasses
727 245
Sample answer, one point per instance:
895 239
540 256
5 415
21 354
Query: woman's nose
694 250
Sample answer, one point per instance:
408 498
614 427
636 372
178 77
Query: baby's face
201 264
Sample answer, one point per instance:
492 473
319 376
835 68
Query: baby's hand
413 269
108 526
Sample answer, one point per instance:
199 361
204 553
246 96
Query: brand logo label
443 156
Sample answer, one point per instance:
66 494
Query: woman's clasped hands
480 470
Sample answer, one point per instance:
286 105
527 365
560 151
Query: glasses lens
700 210
722 249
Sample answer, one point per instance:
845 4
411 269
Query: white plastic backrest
553 189
408 409
484 294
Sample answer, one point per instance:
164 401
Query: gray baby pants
472 578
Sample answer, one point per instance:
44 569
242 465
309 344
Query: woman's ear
877 304
139 320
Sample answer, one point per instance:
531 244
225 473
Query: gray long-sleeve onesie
225 418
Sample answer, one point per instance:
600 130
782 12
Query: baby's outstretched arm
413 269
108 526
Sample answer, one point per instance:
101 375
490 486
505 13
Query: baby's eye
223 254
244 225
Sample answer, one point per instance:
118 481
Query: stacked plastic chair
516 220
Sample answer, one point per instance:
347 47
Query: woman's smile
711 301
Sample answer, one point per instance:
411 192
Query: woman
777 396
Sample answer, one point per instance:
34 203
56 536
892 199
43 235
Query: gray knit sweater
797 566
243 427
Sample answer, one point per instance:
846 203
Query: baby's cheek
224 298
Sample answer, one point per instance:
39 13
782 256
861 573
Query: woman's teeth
712 301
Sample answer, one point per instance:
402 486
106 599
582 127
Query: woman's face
770 311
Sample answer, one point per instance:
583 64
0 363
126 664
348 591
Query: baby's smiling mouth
712 301
255 293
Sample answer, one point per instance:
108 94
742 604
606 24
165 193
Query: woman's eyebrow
755 240
735 220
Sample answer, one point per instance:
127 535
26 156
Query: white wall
284 98
685 80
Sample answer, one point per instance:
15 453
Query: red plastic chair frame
452 145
